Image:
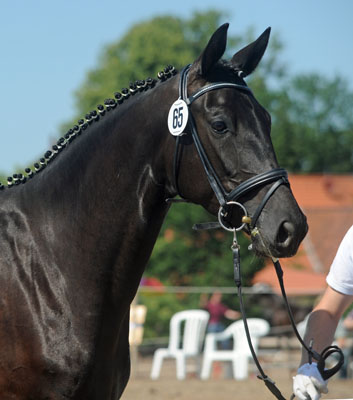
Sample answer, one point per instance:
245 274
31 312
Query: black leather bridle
277 176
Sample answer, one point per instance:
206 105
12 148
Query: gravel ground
218 387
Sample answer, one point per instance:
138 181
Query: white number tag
178 117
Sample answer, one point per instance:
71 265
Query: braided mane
84 123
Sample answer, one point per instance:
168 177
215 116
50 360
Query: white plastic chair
240 354
186 334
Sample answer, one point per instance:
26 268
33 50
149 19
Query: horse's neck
105 198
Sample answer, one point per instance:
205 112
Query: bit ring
222 213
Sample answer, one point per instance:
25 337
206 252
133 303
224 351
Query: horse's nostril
285 234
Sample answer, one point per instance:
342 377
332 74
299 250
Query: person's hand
308 384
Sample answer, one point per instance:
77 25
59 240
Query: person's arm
321 327
232 314
323 320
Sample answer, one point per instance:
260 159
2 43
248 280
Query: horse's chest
47 347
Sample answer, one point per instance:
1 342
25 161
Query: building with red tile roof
327 201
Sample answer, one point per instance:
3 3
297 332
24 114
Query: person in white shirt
323 320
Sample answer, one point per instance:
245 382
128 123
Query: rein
277 176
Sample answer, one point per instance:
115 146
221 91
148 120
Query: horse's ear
248 58
213 51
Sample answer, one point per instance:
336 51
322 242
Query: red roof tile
323 191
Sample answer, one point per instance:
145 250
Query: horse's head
228 137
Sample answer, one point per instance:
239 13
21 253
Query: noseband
277 175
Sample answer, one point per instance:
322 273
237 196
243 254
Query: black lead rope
321 358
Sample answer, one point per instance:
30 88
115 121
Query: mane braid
83 124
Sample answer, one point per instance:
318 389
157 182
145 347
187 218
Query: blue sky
47 47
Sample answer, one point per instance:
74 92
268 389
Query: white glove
309 384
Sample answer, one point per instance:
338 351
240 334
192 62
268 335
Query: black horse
75 238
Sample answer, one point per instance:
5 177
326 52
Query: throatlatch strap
206 226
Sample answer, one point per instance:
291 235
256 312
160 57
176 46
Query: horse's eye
219 127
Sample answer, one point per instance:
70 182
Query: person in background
217 312
323 320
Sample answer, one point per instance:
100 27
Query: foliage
183 256
138 54
160 307
308 111
313 124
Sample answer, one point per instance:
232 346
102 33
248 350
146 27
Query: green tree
183 256
312 126
138 54
143 51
